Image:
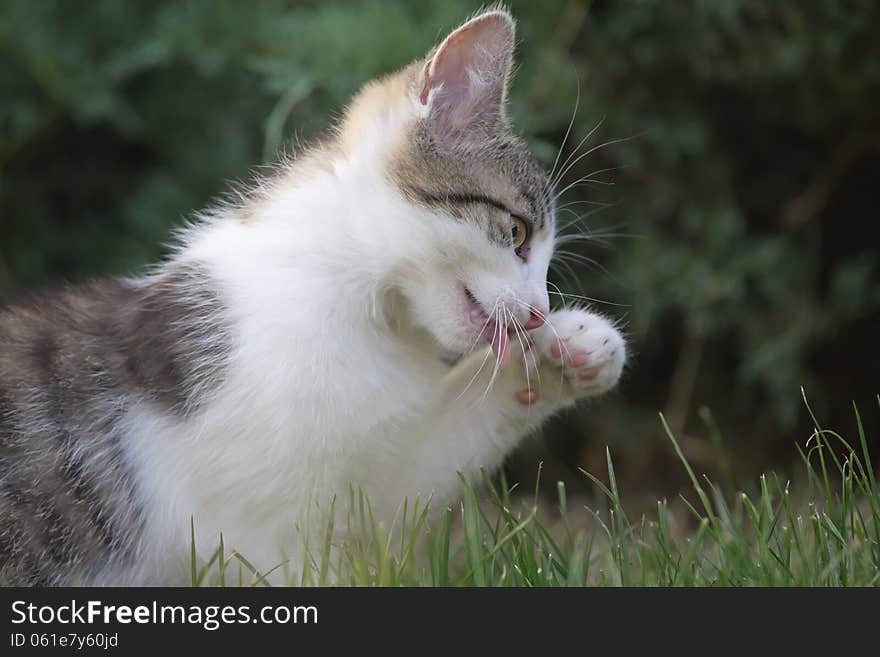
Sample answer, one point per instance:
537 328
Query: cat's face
480 216
490 209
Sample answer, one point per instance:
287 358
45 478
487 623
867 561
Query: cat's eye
519 232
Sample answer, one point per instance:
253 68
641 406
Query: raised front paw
581 354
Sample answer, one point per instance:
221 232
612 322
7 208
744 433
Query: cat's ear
464 82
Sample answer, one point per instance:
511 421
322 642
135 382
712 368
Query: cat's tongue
500 342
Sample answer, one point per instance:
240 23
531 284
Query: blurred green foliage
743 229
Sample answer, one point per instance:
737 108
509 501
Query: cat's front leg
486 410
575 354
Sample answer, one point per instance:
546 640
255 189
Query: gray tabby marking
72 363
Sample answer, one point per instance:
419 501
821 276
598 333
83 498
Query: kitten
375 314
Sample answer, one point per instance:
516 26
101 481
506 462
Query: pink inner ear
484 47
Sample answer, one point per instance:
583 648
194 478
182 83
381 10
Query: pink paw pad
589 373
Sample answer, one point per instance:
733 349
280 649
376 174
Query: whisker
566 295
496 333
516 330
590 263
518 325
529 342
476 374
585 202
473 346
595 238
568 274
559 339
565 165
482 328
588 179
577 102
564 254
578 218
610 142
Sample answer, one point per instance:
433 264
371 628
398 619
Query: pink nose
536 319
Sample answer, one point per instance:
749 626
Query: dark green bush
744 229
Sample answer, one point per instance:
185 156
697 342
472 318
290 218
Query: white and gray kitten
375 314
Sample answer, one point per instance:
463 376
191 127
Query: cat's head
480 228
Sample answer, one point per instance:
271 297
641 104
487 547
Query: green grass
825 531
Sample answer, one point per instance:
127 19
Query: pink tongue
500 343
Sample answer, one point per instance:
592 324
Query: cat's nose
536 319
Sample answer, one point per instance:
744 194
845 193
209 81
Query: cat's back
46 336
58 510
73 362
